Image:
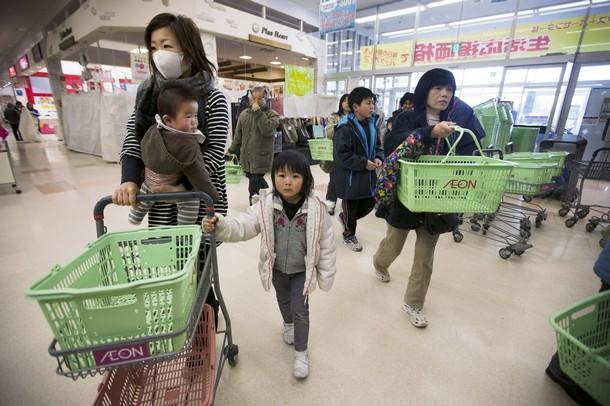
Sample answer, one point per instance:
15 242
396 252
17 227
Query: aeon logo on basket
461 184
120 354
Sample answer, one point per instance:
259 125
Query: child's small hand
370 165
209 224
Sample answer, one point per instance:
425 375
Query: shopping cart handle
489 152
98 209
597 151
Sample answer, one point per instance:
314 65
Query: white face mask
168 63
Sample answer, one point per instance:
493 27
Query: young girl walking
297 246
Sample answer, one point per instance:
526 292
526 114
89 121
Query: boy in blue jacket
357 154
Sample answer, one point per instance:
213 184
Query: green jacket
254 138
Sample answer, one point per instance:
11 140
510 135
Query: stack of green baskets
505 128
233 171
583 343
124 286
453 184
321 149
487 114
556 157
530 178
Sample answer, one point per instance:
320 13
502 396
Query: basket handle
234 159
461 131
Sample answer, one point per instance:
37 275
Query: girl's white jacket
258 219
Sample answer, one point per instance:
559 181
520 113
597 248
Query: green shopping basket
530 178
453 184
583 343
125 286
321 149
556 157
233 171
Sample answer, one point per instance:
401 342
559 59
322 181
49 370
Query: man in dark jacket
13 115
436 110
357 153
253 139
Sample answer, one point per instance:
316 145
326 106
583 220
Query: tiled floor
488 341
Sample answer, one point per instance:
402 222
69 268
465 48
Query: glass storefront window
389 90
335 87
516 76
533 91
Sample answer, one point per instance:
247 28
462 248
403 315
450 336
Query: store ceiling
23 21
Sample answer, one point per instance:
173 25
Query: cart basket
186 379
125 286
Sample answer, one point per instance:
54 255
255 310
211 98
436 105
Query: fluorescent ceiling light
442 3
481 19
403 33
525 13
390 14
275 63
399 32
598 1
562 6
245 57
304 58
434 27
139 51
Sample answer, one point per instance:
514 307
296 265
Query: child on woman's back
297 246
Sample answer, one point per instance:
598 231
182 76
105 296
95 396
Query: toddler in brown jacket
171 150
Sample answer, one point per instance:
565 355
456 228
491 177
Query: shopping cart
508 224
597 168
150 352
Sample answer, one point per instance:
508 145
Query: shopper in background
329 166
427 125
12 115
601 268
253 140
357 153
297 249
406 103
34 113
176 53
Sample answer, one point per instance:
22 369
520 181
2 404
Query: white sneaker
383 276
288 333
417 317
301 364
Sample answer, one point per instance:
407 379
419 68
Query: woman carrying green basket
417 132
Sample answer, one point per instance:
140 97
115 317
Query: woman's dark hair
171 97
434 77
407 96
357 95
188 37
295 162
340 109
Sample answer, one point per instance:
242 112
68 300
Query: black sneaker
352 243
